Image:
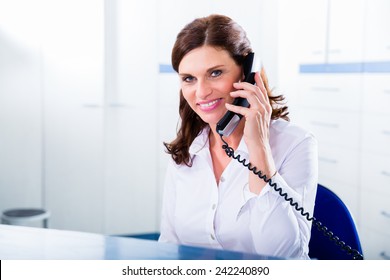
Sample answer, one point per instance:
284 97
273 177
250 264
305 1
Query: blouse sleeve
167 229
275 226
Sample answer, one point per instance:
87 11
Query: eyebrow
208 70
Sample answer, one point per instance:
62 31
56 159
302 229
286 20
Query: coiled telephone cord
349 250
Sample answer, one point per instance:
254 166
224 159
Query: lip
209 105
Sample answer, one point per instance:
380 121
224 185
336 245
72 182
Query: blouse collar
201 143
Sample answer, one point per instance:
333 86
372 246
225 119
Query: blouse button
222 179
212 237
214 206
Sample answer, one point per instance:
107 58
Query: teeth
205 105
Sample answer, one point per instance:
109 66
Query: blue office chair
330 210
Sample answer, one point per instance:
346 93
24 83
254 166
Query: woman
210 199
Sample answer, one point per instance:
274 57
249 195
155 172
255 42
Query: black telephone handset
227 125
230 120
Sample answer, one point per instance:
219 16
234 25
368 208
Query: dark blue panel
148 236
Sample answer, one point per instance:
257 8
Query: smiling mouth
209 104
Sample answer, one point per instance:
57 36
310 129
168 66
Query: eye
188 79
216 73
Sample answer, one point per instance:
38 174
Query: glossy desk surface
27 243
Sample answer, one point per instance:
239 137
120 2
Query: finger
259 89
237 109
248 114
253 99
260 83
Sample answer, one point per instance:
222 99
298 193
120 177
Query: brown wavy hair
221 32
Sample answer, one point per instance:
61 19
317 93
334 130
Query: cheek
227 88
189 96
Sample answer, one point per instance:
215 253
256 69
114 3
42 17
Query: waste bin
25 216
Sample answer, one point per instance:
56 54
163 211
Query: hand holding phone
230 120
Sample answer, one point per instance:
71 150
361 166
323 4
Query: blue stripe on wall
353 67
166 68
377 67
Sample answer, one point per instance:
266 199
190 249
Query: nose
203 89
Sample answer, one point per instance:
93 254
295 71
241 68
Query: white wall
347 108
20 107
78 122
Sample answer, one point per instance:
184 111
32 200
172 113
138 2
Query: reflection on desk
27 243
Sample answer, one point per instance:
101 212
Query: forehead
204 58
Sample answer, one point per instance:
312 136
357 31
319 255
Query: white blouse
198 212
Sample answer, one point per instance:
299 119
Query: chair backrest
330 210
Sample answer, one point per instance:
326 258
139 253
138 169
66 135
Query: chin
211 119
